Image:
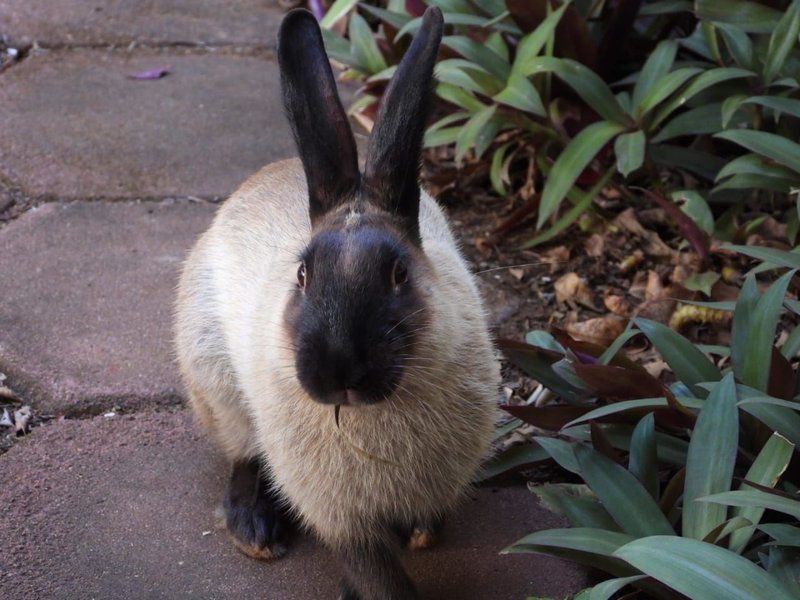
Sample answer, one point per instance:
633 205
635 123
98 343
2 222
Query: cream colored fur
397 461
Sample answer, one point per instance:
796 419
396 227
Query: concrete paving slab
74 126
101 22
86 308
123 508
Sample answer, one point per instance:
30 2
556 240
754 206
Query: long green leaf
496 169
664 88
585 539
747 181
629 149
748 16
696 121
622 495
783 534
560 451
643 459
687 362
571 163
472 131
575 502
701 163
618 407
771 145
657 65
520 93
766 469
757 357
739 44
569 217
783 39
671 449
477 53
754 164
712 455
780 104
699 84
512 458
395 19
459 97
606 589
531 45
337 10
586 83
780 258
700 570
755 499
364 48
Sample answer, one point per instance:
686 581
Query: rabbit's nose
355 377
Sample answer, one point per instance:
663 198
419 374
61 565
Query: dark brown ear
393 154
319 123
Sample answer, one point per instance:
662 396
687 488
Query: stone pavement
105 182
123 507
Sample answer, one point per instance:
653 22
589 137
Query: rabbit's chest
380 464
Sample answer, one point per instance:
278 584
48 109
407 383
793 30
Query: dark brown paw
254 515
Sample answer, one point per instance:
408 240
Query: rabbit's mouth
349 397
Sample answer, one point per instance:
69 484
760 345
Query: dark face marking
355 313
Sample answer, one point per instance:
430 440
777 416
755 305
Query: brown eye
301 275
399 273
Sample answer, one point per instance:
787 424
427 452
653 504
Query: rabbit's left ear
393 154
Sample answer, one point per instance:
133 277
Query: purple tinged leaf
318 8
149 74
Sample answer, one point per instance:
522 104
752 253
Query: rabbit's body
425 442
321 290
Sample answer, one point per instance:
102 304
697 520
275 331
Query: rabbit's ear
311 101
393 154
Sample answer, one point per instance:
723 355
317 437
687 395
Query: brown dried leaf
654 289
572 288
594 245
656 246
617 305
601 330
556 257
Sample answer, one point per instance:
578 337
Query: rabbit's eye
301 275
399 273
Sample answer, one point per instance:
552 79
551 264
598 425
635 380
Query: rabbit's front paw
254 514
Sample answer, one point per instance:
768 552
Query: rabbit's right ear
319 124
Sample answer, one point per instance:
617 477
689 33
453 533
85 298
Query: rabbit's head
363 281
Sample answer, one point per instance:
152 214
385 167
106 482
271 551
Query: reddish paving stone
86 308
101 22
75 127
117 508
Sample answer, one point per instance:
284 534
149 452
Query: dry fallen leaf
556 257
572 288
601 330
617 305
656 246
656 367
594 245
654 289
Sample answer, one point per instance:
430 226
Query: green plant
521 82
707 455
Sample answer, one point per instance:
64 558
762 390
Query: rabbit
331 336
